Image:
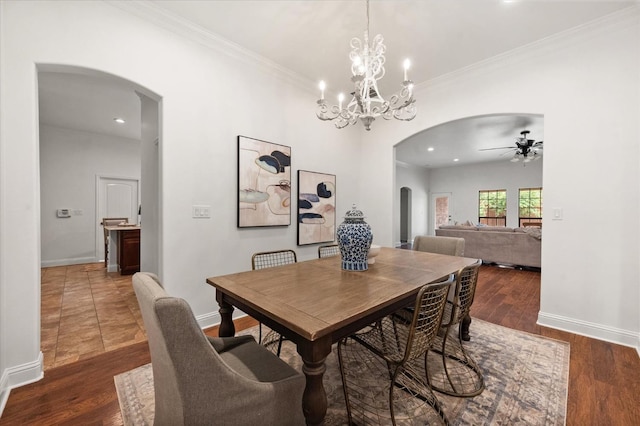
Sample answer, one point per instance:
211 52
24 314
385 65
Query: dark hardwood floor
604 379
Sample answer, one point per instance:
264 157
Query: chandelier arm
327 113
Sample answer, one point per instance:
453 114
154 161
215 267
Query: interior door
117 197
440 209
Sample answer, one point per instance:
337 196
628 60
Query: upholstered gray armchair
204 381
451 246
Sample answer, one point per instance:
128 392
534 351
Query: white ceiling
89 103
460 142
311 39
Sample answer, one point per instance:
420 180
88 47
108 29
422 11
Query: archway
446 157
77 146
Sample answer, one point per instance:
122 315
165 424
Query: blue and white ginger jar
354 240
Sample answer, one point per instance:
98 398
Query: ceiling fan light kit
526 149
366 104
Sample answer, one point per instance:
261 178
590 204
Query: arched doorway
80 142
459 158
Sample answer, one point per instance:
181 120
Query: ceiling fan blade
491 149
508 152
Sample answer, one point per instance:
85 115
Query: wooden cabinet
129 251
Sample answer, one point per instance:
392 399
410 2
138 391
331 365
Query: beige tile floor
86 311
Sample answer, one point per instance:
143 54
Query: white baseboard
208 320
70 261
589 329
213 318
19 375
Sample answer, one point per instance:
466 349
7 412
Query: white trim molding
70 261
150 12
213 318
208 320
20 375
4 390
553 43
590 329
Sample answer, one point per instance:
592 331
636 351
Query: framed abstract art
264 183
316 207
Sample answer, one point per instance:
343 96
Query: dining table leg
464 328
314 398
227 328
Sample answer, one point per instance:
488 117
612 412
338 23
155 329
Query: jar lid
354 213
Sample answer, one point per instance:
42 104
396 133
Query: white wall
150 186
464 182
586 84
209 95
69 163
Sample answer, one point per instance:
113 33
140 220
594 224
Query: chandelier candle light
367 67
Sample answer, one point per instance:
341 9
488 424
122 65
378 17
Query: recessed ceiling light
456 159
430 149
119 120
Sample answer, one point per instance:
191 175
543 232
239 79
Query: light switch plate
557 214
201 211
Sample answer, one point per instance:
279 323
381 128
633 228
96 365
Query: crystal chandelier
366 104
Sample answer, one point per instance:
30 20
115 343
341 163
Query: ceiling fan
525 149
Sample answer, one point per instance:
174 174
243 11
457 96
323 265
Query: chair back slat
467 279
328 251
269 259
427 317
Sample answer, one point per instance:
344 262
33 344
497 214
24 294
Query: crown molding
149 12
616 21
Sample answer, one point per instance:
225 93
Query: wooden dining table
315 303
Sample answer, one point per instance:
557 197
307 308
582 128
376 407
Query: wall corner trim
20 375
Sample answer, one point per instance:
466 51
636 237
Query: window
530 207
492 207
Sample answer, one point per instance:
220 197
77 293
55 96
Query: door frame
99 179
432 210
405 214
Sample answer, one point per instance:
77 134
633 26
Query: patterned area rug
526 378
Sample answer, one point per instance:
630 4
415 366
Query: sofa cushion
463 227
515 248
495 228
533 231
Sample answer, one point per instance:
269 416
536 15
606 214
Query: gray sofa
511 246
